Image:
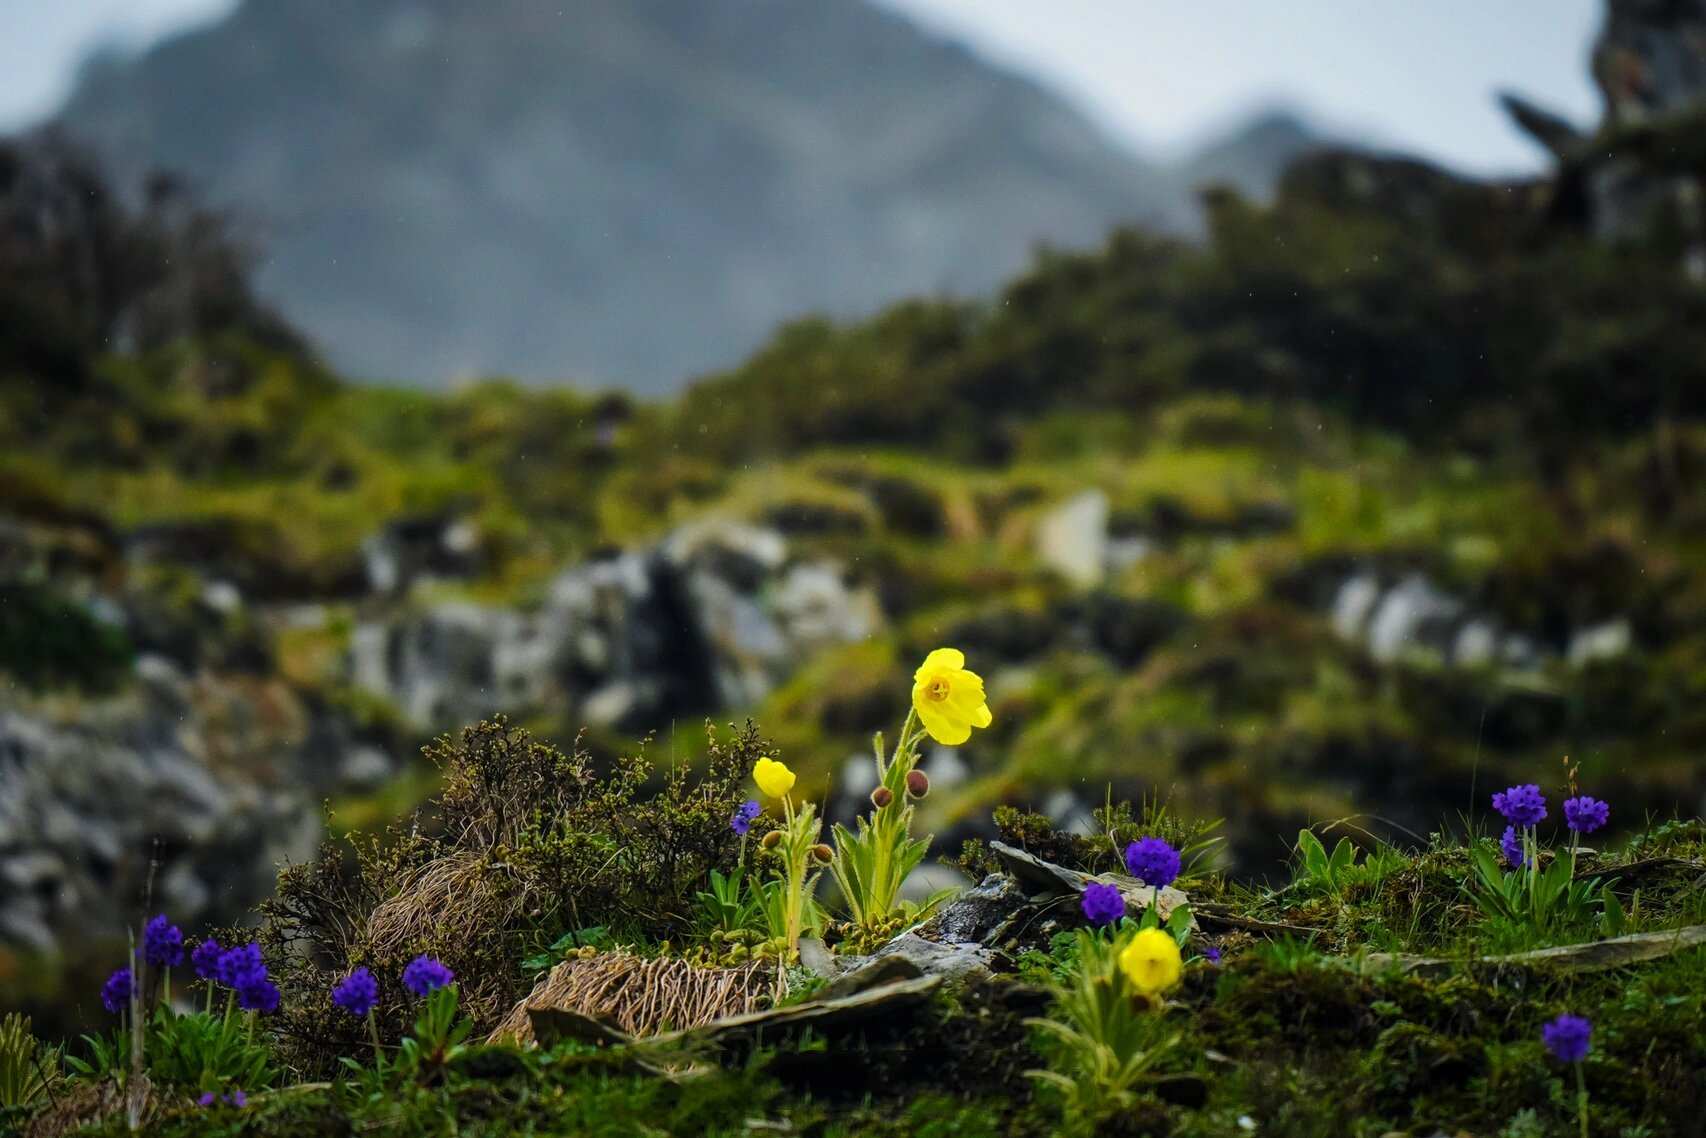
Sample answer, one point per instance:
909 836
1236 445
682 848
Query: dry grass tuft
641 996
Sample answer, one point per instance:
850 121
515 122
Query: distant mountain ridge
617 192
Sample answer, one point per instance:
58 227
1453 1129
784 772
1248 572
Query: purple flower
1584 815
206 959
745 816
424 976
115 993
241 967
1511 844
1568 1038
207 1098
1521 805
1152 861
259 995
162 943
1211 954
1103 904
357 993
237 1098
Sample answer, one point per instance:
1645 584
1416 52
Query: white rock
1600 641
1072 539
1409 616
1353 603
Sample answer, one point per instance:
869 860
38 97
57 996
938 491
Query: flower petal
942 659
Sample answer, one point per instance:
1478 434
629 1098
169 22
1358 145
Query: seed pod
881 797
917 783
772 839
823 853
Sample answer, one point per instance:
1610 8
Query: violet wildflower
1586 814
357 993
1521 805
116 992
241 967
424 976
1212 954
1568 1037
207 1098
258 995
1152 861
162 943
237 1098
1102 904
205 958
1511 844
745 816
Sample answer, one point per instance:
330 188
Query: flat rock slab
1044 880
1594 956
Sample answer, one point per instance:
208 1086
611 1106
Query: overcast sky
1156 74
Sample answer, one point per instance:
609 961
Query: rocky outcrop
1407 617
714 616
182 793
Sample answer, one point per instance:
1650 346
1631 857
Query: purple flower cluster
745 816
162 943
241 969
1511 844
1568 1037
1102 904
424 976
1212 954
1521 805
1152 861
205 959
116 992
1586 814
357 993
236 1098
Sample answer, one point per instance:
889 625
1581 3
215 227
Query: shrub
527 844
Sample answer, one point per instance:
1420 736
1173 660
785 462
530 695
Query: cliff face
624 191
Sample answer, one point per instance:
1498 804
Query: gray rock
712 617
955 963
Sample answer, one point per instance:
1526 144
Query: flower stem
1582 1098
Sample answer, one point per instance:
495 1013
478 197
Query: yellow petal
947 729
942 659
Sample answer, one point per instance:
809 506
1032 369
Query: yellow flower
1151 962
772 777
948 698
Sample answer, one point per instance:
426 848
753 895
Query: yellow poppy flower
1151 962
948 698
772 777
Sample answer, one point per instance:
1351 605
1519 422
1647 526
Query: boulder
713 617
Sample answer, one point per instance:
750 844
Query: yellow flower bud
881 797
917 783
772 839
823 853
